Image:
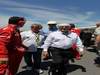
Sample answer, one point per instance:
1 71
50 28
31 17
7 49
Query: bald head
64 27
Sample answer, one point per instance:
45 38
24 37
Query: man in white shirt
33 39
97 38
59 43
52 26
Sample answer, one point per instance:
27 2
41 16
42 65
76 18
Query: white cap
64 24
52 22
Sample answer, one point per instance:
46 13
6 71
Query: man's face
64 28
98 25
35 28
52 26
21 23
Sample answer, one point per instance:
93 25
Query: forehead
34 25
51 24
22 20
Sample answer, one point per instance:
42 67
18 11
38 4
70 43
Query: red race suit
6 34
15 56
10 57
74 51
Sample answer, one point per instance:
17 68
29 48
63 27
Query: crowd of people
61 43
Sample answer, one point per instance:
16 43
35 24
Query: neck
36 32
53 29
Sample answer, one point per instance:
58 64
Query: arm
47 42
6 34
18 42
23 37
79 45
45 46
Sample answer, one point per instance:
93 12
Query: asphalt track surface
85 66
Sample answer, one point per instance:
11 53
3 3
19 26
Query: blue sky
81 12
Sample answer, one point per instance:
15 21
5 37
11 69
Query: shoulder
42 33
8 29
55 32
77 28
25 32
98 28
73 34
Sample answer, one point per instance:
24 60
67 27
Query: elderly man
33 39
97 36
52 26
59 43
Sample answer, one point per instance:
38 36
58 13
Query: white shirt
97 31
59 40
28 39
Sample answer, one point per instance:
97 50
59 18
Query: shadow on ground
28 72
69 68
91 49
73 67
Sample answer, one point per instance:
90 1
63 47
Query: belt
3 62
61 48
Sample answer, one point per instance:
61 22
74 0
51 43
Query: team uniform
5 37
8 44
15 56
74 51
76 30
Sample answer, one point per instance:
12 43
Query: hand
44 54
81 51
78 57
21 49
26 48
